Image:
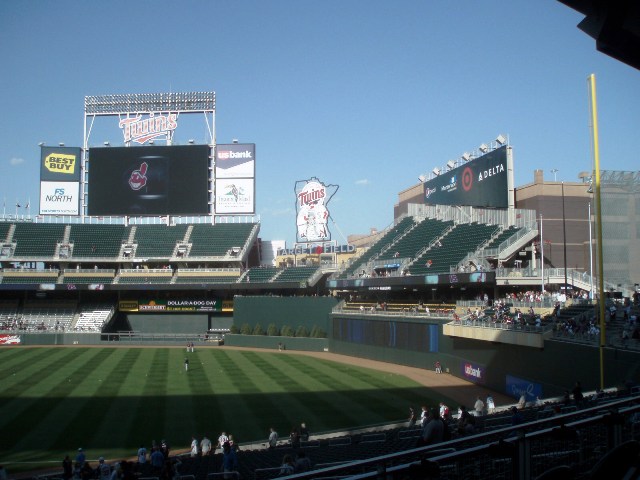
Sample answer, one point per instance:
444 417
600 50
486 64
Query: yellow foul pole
596 166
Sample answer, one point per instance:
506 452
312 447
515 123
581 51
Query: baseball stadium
141 313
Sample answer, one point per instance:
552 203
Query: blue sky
363 94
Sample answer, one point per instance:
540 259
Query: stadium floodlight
41 144
483 148
501 139
61 144
422 178
107 144
555 176
191 141
235 140
451 164
436 171
150 102
466 156
151 142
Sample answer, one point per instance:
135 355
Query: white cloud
16 161
364 181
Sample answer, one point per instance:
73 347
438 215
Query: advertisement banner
236 160
60 164
59 198
128 306
235 195
9 339
516 387
482 182
472 372
312 214
182 305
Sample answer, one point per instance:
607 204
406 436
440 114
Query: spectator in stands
303 464
157 460
294 438
479 407
233 444
304 432
67 468
412 417
288 467
522 402
273 438
194 447
433 430
578 397
443 410
103 471
205 446
222 439
229 460
516 416
164 448
424 416
491 405
142 455
86 472
466 421
80 457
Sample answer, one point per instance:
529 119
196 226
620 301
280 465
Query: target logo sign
467 179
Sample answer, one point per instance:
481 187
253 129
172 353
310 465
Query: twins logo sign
312 197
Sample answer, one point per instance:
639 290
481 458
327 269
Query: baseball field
110 401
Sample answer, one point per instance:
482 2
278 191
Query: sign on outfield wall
473 372
184 305
516 387
59 198
312 214
236 160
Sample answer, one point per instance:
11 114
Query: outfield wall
275 343
168 323
500 367
291 311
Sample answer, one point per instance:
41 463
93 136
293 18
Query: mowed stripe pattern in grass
112 400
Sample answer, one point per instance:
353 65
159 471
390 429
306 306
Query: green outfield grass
112 400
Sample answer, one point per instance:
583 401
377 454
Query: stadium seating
37 239
149 278
375 249
71 277
48 315
454 247
296 274
93 317
158 240
502 236
4 230
200 279
102 241
218 240
29 276
260 274
415 240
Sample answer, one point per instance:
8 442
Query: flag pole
596 165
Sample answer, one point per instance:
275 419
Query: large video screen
482 182
149 180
